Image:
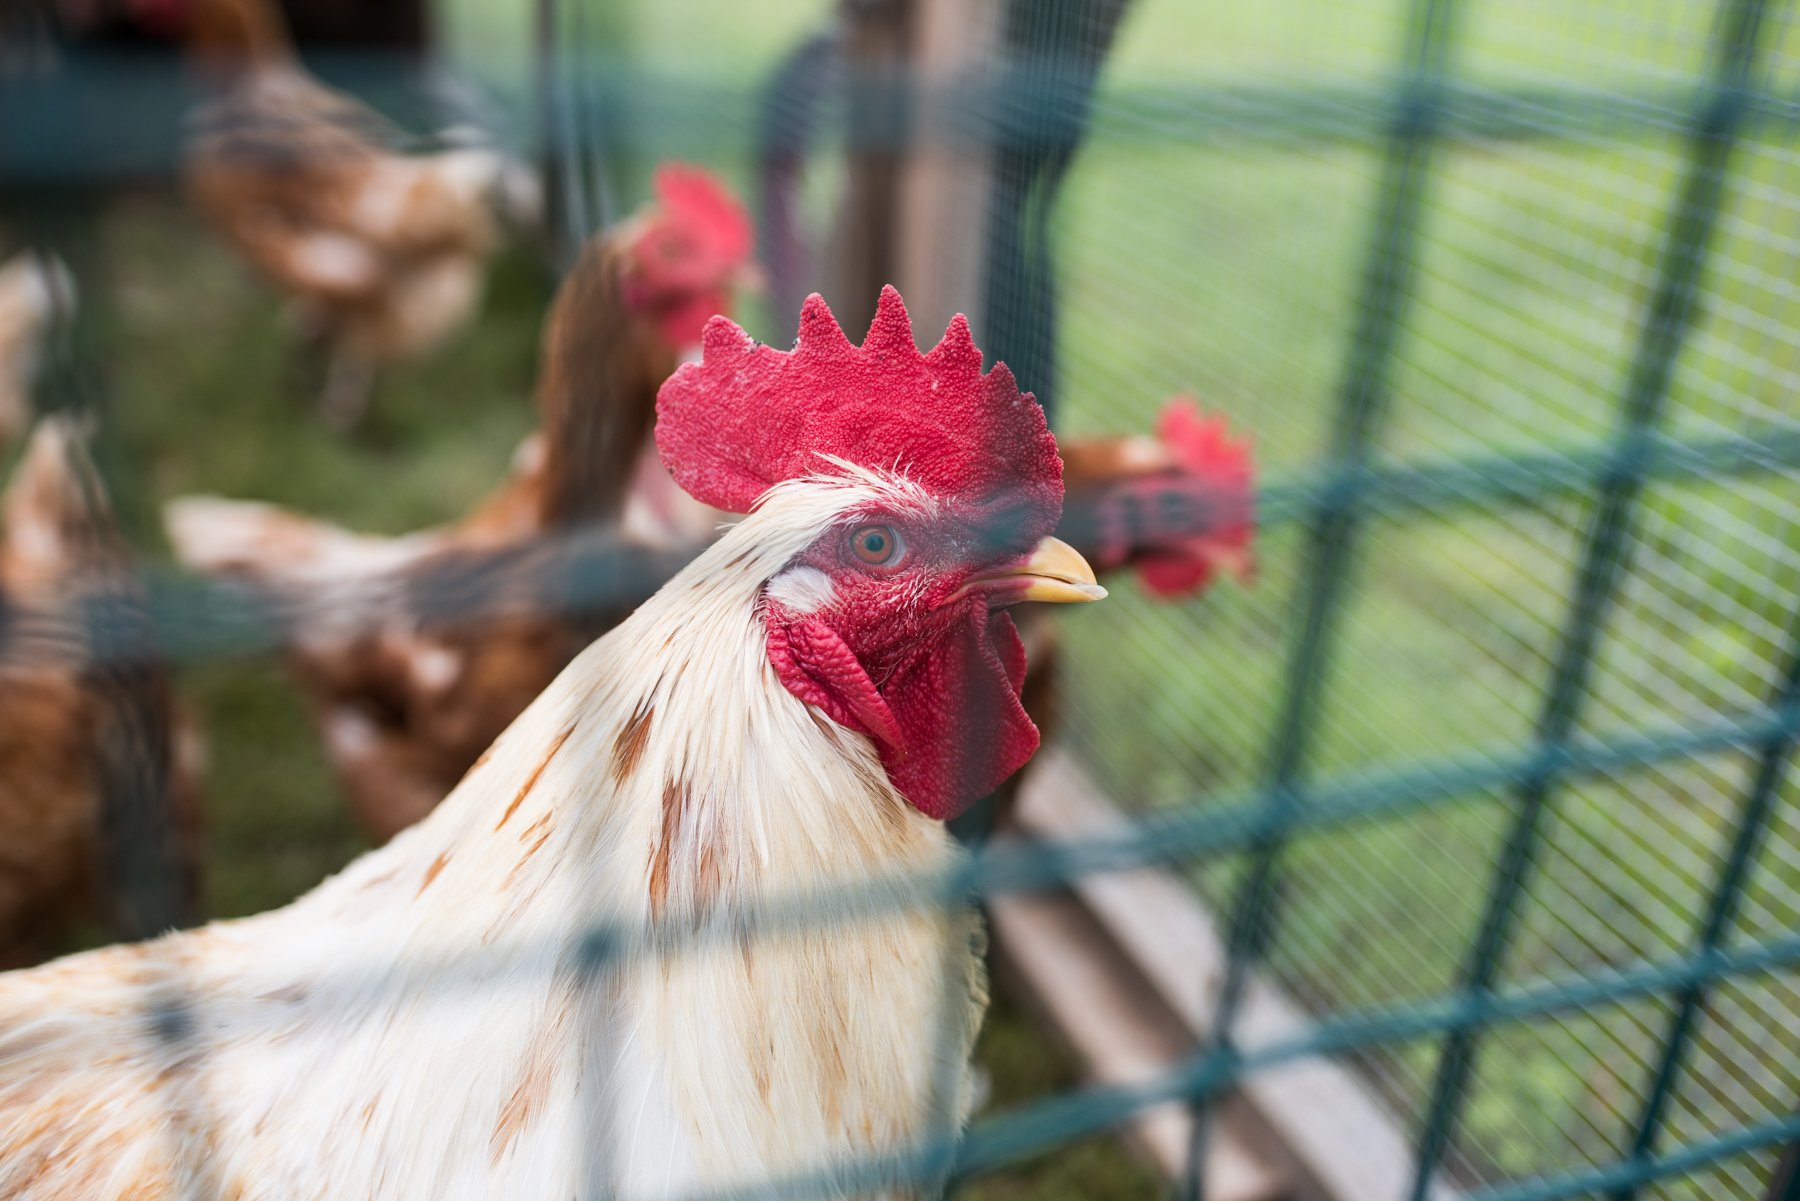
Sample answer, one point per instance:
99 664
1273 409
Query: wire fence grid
1506 293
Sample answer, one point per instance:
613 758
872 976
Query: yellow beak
1055 572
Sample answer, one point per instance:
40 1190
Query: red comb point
748 416
891 331
957 350
820 335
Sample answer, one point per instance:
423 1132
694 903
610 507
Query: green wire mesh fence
1593 289
1492 763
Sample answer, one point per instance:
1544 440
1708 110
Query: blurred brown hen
407 702
381 251
80 741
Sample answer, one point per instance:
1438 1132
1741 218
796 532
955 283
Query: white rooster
797 710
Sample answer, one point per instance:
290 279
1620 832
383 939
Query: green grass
214 394
276 822
1026 1067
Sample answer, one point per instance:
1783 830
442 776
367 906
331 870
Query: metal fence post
1786 1184
1054 54
596 969
147 882
1671 312
576 141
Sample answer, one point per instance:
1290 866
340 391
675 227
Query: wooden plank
940 233
1342 1143
1101 1006
876 52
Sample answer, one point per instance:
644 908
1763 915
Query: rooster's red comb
749 416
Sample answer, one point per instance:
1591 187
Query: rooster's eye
875 544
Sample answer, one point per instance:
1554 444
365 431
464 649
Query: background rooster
404 710
383 252
1177 508
66 724
796 710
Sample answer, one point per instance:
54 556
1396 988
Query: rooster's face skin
895 622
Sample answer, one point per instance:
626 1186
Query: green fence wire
1430 116
1281 817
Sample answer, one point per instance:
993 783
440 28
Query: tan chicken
796 711
69 726
383 252
405 701
32 289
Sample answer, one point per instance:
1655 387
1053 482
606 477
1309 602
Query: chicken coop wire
1632 805
1430 275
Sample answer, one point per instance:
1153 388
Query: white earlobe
802 589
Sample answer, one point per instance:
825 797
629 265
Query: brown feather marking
530 1096
706 884
675 799
703 855
64 1141
888 804
532 779
762 1053
826 726
628 748
757 1042
828 1037
544 817
518 898
891 808
529 852
431 873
